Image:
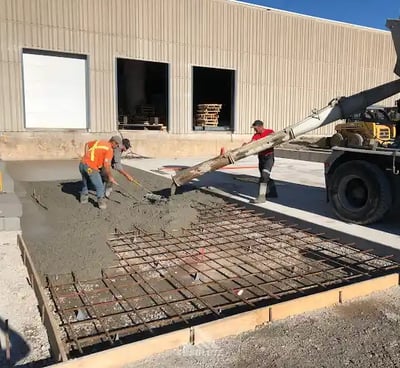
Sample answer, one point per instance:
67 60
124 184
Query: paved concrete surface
18 305
7 182
43 170
10 205
300 186
360 333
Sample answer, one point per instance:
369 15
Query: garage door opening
213 98
55 87
142 88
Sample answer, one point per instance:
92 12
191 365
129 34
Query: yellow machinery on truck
373 127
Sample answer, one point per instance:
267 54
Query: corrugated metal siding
285 64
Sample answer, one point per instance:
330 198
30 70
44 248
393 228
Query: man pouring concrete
98 156
116 163
265 163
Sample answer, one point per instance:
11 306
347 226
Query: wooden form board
56 345
211 331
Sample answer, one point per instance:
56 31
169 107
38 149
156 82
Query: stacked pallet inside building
144 119
208 114
146 110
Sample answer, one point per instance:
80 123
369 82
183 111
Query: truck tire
359 192
355 140
336 140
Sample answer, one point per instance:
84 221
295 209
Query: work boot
108 192
272 193
102 203
262 192
84 198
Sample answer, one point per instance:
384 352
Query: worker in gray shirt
116 164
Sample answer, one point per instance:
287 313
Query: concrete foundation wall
66 145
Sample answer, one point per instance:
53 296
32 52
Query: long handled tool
150 196
125 193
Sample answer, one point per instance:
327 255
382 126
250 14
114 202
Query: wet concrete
63 236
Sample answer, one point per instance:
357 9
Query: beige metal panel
3 10
11 99
285 64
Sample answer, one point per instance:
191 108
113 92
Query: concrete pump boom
338 108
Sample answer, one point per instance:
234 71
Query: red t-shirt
263 134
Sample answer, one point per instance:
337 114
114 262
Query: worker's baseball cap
116 139
257 123
126 143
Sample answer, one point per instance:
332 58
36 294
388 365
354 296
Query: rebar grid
234 259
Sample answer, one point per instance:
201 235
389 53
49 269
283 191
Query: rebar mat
233 260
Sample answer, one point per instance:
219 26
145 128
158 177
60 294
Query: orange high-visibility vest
98 155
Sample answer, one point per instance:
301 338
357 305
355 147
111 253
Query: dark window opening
142 88
213 98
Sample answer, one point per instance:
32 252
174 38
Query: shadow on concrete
19 349
73 188
302 197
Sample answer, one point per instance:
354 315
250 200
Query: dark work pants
265 164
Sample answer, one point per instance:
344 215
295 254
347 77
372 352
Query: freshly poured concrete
71 237
63 235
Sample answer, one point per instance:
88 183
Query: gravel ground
360 333
18 304
67 236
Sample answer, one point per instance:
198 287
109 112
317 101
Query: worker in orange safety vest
97 158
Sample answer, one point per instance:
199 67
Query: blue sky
369 13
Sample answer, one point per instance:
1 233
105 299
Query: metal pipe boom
338 108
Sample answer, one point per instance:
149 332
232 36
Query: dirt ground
360 333
18 305
63 236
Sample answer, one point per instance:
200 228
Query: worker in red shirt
265 163
98 156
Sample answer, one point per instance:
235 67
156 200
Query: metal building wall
285 64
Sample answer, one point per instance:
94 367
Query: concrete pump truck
363 183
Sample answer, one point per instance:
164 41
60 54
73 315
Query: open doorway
142 88
213 98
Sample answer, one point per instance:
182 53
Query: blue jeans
95 179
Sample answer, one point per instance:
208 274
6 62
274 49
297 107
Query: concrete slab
43 170
10 206
10 224
6 182
300 185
